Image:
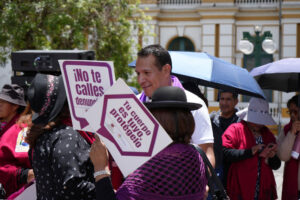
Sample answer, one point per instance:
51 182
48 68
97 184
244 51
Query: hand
273 150
30 175
257 148
99 155
295 127
269 151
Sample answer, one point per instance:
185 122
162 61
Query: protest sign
130 132
29 193
85 82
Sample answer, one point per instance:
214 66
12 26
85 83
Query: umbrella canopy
282 75
210 71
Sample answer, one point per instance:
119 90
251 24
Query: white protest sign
28 194
85 81
129 131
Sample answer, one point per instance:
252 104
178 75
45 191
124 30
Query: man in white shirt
153 68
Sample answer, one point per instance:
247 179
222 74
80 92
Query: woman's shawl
177 172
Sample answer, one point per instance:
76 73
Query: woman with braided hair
59 154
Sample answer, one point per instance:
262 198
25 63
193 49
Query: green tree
104 26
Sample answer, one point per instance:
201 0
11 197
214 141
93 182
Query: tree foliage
104 26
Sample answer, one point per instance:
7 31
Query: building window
181 44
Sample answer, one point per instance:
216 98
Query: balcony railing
179 2
174 3
256 2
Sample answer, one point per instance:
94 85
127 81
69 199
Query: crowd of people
38 144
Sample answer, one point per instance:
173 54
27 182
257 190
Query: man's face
293 111
227 103
149 76
7 110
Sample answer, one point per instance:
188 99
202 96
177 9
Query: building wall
217 26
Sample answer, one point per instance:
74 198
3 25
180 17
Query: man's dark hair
161 54
234 94
293 100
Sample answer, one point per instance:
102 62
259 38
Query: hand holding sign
130 132
99 155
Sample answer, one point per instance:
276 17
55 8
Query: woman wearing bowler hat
251 148
176 172
59 154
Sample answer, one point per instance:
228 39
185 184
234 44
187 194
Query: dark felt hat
171 97
13 94
47 97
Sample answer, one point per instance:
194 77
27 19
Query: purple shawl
175 83
177 172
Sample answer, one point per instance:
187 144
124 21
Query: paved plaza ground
278 177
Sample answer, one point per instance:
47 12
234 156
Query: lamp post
258 50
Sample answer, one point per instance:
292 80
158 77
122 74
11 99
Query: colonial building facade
217 27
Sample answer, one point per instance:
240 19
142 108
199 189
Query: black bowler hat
46 96
170 97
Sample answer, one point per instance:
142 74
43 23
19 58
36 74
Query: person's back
55 163
59 154
175 172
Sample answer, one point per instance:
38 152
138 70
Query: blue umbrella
210 71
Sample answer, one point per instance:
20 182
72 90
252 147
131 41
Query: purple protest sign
128 125
85 82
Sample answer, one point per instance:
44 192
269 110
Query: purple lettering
98 77
78 89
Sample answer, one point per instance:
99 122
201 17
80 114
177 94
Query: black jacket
62 167
219 127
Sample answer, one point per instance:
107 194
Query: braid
36 130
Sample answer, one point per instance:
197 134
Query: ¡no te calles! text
87 88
